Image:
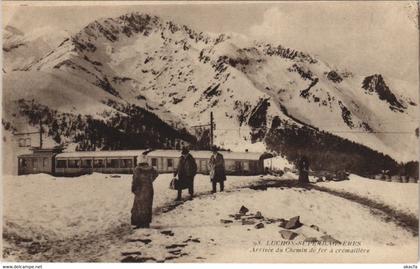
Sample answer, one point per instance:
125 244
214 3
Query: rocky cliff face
375 84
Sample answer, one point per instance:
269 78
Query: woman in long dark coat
217 170
142 187
303 167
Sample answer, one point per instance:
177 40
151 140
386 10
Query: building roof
199 154
39 153
177 153
29 155
241 155
204 154
105 153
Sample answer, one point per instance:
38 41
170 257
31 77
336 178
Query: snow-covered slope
23 49
89 218
57 90
182 75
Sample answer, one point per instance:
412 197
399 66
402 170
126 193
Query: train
76 163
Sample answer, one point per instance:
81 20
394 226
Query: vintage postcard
210 132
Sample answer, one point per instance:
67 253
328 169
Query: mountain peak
127 24
376 84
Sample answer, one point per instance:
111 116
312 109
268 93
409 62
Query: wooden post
40 133
211 129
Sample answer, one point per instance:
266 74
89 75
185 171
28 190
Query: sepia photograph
210 132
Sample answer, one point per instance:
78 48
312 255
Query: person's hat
214 148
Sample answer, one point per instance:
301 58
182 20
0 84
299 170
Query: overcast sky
364 37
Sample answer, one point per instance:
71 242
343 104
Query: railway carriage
123 162
243 163
240 163
166 161
87 162
40 161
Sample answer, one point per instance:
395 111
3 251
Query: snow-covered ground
342 219
44 208
61 207
401 196
278 163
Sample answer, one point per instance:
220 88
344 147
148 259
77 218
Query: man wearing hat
217 170
186 171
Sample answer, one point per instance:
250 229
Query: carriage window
45 162
34 162
61 164
98 163
86 163
160 163
28 142
170 163
23 163
112 163
126 163
253 165
246 165
74 163
154 162
238 165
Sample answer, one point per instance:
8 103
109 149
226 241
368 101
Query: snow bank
65 207
277 163
91 205
200 220
401 196
59 207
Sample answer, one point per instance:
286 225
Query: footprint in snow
176 246
195 240
145 241
169 233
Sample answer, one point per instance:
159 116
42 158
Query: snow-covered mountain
23 49
182 75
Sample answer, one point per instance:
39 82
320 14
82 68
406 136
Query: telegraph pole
40 133
211 129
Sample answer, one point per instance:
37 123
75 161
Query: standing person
217 170
303 167
142 187
186 171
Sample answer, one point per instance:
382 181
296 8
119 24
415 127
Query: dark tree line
332 153
131 127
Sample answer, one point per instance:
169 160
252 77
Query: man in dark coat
217 170
186 171
142 187
303 167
